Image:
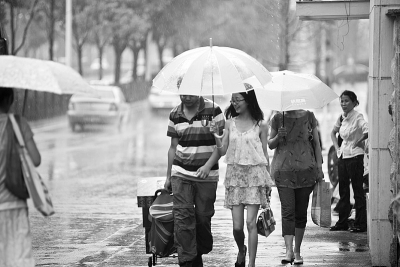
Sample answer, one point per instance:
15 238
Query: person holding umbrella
15 236
247 181
295 168
192 175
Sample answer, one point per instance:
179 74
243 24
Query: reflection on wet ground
352 247
92 177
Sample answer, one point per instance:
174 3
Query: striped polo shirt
196 142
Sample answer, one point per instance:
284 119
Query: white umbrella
211 70
290 91
41 75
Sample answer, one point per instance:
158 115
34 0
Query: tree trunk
135 52
79 53
117 71
284 57
317 60
101 48
51 30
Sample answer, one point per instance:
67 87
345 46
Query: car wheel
333 166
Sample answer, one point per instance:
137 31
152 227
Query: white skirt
15 239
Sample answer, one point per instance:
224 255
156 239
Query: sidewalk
320 247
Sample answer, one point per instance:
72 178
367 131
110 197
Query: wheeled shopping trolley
161 235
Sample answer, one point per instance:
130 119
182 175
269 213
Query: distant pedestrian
247 181
353 129
192 175
15 235
296 167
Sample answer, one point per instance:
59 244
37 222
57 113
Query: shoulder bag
36 188
14 181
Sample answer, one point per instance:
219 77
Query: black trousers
351 170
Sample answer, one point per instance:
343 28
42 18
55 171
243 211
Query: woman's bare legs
289 247
238 233
298 239
252 212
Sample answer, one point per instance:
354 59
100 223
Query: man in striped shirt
192 175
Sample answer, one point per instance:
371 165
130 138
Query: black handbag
14 182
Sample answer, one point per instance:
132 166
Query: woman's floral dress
247 179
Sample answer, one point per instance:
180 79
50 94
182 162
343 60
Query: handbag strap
17 131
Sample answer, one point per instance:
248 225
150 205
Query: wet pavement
93 177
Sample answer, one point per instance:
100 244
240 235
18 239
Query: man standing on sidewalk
192 175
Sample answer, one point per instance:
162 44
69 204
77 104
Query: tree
20 12
100 13
50 12
81 27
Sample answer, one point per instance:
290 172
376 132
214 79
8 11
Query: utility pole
68 32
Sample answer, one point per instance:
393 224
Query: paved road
93 175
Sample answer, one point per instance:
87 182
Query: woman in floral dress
295 168
247 181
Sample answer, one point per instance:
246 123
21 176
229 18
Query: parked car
108 107
162 99
166 100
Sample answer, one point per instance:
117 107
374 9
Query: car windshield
105 94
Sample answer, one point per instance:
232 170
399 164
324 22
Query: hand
359 144
320 175
203 172
215 129
282 132
167 184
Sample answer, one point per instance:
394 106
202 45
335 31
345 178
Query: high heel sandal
243 263
298 262
288 260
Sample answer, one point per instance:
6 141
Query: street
92 178
93 175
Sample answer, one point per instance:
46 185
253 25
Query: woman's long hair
251 100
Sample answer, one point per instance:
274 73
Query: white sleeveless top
245 148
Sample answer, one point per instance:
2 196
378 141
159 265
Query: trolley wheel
333 166
154 259
150 262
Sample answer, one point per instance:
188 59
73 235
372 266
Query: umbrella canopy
41 75
290 91
211 70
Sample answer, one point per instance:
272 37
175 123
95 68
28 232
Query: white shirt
353 127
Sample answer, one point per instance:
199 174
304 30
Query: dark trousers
352 169
294 204
192 209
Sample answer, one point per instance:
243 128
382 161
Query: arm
276 137
360 141
334 138
33 152
318 152
264 140
171 155
203 171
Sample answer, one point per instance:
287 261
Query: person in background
354 131
192 175
247 181
15 235
295 168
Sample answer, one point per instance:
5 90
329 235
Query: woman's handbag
265 222
36 188
321 204
14 181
